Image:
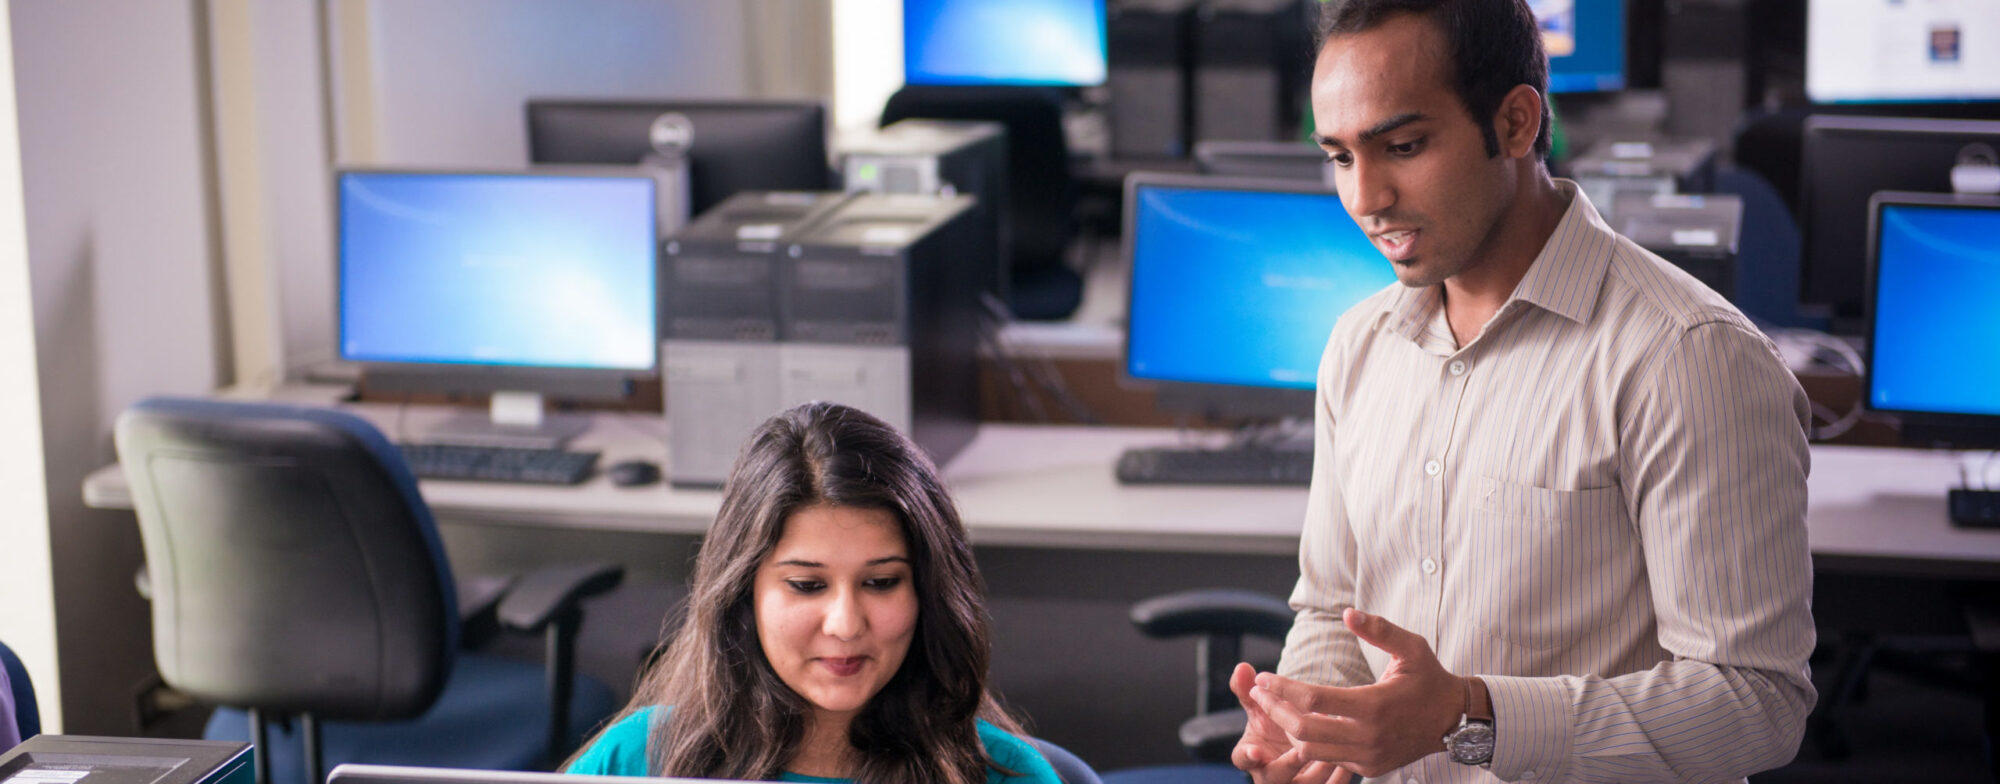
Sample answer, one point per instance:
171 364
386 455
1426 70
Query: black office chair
1041 192
27 716
295 572
1767 252
1222 618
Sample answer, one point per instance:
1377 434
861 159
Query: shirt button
1458 367
1430 566
1527 774
1432 468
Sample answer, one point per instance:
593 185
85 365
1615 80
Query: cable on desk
1041 372
1823 348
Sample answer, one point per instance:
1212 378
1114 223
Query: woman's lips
843 667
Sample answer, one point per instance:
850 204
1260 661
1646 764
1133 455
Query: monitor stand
515 419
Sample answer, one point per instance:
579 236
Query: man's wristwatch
1471 742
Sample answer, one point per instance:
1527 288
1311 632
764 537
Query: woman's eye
806 586
884 583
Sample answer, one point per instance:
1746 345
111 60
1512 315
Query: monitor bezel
1103 53
1210 400
568 381
1928 428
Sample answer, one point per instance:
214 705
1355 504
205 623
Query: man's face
1410 162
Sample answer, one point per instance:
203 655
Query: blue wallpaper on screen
1597 28
1055 42
1242 287
518 270
1937 311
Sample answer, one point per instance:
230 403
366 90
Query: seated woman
835 629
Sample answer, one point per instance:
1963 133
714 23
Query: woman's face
836 606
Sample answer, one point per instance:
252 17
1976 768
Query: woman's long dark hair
731 715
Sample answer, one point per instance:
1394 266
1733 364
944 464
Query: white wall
867 59
450 76
122 279
27 617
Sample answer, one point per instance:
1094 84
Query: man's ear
1518 121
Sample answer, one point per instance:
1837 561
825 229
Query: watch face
1472 744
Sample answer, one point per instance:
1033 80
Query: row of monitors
558 271
1063 42
1234 283
1857 51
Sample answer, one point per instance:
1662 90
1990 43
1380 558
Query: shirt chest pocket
1548 566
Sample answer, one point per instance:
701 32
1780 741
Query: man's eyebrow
1380 128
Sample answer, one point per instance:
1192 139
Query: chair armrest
1212 737
1215 611
545 595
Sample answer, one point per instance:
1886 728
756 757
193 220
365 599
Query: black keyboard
1188 466
499 463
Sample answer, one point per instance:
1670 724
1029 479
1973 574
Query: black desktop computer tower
943 157
1250 69
1148 77
879 312
719 283
1696 232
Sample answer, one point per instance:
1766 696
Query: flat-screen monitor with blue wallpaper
1235 287
1933 322
1585 40
481 282
989 42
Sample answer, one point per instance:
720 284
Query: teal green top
621 751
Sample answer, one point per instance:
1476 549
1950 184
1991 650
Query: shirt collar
1564 279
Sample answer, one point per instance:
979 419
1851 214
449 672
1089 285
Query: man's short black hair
1494 45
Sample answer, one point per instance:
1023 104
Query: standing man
1556 527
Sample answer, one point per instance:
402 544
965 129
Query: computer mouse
629 473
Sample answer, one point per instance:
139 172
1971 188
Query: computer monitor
1932 323
1235 286
730 146
1881 51
1585 40
1845 160
352 773
987 42
515 283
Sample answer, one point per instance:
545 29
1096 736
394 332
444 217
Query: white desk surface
1016 485
1871 509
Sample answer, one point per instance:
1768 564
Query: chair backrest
1040 191
1768 254
26 715
1069 767
293 566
